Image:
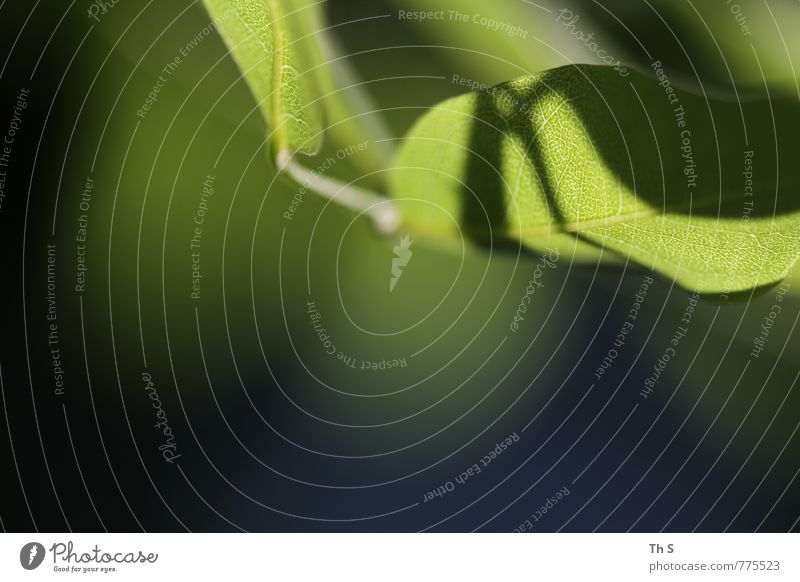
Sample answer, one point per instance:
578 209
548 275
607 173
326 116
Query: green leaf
269 43
351 114
290 65
597 163
750 46
493 41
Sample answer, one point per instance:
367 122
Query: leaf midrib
584 225
277 75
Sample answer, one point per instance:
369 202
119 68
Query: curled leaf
268 40
704 192
290 64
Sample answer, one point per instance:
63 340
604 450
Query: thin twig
381 210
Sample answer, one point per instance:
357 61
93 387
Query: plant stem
382 211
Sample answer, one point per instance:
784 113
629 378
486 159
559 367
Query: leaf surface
705 192
290 65
268 40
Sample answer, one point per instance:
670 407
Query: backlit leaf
583 158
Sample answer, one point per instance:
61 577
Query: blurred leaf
496 41
629 164
743 43
269 42
351 114
291 67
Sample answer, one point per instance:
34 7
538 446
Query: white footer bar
399 557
